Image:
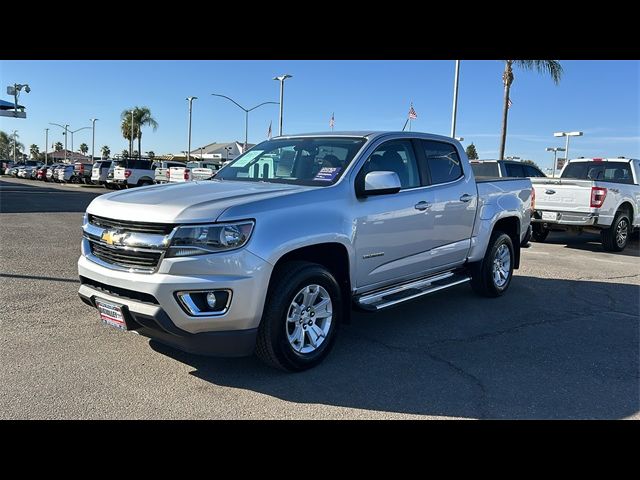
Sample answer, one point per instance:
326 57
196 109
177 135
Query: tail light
533 199
186 174
127 173
598 194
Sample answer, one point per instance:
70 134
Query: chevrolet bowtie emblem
111 237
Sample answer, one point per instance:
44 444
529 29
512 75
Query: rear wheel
616 237
301 317
539 233
492 276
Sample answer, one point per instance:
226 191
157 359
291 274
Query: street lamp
15 91
567 134
93 138
228 149
14 146
201 148
555 151
246 118
455 100
190 99
74 131
66 127
281 79
46 146
131 137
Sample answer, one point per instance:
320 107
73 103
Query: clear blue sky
599 97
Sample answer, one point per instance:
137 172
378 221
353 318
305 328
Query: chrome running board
408 291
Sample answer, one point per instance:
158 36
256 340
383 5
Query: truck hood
184 202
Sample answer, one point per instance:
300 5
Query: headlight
203 239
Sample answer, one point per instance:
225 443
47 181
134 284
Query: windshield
316 161
618 172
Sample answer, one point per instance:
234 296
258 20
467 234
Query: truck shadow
590 242
34 197
548 349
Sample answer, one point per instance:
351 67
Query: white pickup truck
592 194
193 171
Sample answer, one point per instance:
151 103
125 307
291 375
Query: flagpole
405 124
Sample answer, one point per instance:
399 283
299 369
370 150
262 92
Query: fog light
211 300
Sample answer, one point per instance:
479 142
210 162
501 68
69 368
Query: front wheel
492 276
301 317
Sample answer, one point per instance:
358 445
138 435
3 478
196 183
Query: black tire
539 233
272 346
143 183
615 238
482 275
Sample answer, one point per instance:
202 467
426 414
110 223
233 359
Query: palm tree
550 67
84 148
34 151
58 147
105 150
151 154
125 153
141 118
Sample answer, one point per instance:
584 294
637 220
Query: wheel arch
334 256
511 226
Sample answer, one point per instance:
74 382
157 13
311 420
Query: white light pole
455 100
74 131
190 100
281 79
93 138
131 141
246 118
555 151
66 127
46 146
14 146
567 134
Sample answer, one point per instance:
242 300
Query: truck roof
370 134
596 159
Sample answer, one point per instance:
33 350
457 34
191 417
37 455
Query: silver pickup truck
600 195
271 255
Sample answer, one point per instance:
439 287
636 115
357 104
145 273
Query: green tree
531 162
125 153
471 152
151 154
141 118
106 151
58 147
550 67
84 148
34 150
5 145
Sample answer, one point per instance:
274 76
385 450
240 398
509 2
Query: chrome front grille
142 227
147 260
124 245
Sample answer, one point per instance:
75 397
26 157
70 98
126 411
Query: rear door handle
422 205
466 198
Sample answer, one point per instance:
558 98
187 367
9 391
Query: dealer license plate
111 314
551 216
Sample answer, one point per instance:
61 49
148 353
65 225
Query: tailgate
118 173
95 173
176 174
563 195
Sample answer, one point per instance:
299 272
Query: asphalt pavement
562 343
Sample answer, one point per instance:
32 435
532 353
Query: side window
514 170
531 171
395 156
443 161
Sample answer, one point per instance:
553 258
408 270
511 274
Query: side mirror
380 183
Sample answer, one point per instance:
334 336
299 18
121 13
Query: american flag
332 122
269 131
509 103
412 113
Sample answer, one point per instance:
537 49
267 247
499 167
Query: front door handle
422 205
466 198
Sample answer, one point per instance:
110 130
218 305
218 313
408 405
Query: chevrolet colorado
271 255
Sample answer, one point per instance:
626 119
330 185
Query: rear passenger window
514 170
443 161
532 171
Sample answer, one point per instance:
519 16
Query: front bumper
155 311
